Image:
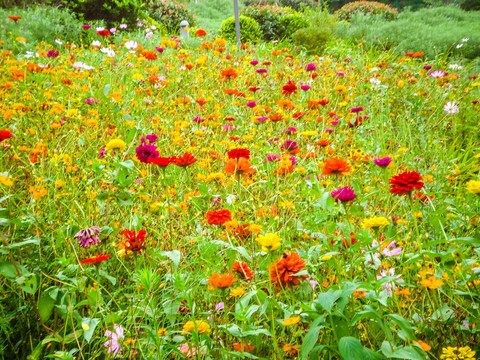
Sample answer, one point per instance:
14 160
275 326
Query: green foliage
170 14
426 31
315 37
113 12
249 29
366 7
276 22
297 5
211 13
38 24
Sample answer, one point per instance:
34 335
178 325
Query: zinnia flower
116 144
5 134
240 166
283 271
243 269
200 326
269 241
88 237
473 186
343 194
184 160
163 162
375 222
135 242
336 167
239 153
289 145
146 152
221 281
404 183
457 353
383 162
218 216
290 88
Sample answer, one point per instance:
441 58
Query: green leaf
8 270
45 307
106 89
28 283
403 324
88 326
35 240
350 348
327 300
311 338
173 255
406 353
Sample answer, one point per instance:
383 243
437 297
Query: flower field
165 198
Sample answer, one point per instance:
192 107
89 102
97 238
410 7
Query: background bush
315 37
366 7
276 22
170 14
41 23
297 5
249 29
433 31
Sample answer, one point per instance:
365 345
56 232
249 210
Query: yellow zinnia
473 186
375 222
269 241
116 144
199 326
291 321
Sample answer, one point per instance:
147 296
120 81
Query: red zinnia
96 259
184 160
103 33
243 269
135 242
281 273
5 134
200 32
218 216
404 183
14 18
290 88
239 153
163 162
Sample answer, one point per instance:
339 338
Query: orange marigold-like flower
229 74
221 281
243 347
218 216
240 166
200 33
432 282
184 160
243 269
281 273
336 167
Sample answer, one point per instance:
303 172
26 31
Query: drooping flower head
282 273
88 237
405 183
343 194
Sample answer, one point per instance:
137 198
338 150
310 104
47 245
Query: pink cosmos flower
113 344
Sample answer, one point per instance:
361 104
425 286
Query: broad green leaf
403 324
311 338
45 307
327 300
35 240
88 326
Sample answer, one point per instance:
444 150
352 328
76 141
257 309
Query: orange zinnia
184 160
243 269
239 167
229 74
336 167
221 281
281 273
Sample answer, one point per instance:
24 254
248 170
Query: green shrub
41 23
249 29
297 5
276 22
170 14
366 7
420 31
315 37
113 12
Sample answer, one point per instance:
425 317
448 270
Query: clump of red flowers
217 217
5 134
290 88
96 259
404 183
135 242
415 54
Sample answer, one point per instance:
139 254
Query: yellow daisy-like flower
375 222
162 332
116 145
473 186
237 292
199 326
291 321
38 191
456 353
6 180
269 241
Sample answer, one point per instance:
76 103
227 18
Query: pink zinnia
343 194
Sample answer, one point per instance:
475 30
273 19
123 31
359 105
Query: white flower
110 52
465 40
58 42
96 43
455 67
29 54
374 69
100 28
80 65
451 108
130 45
153 27
374 81
459 46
